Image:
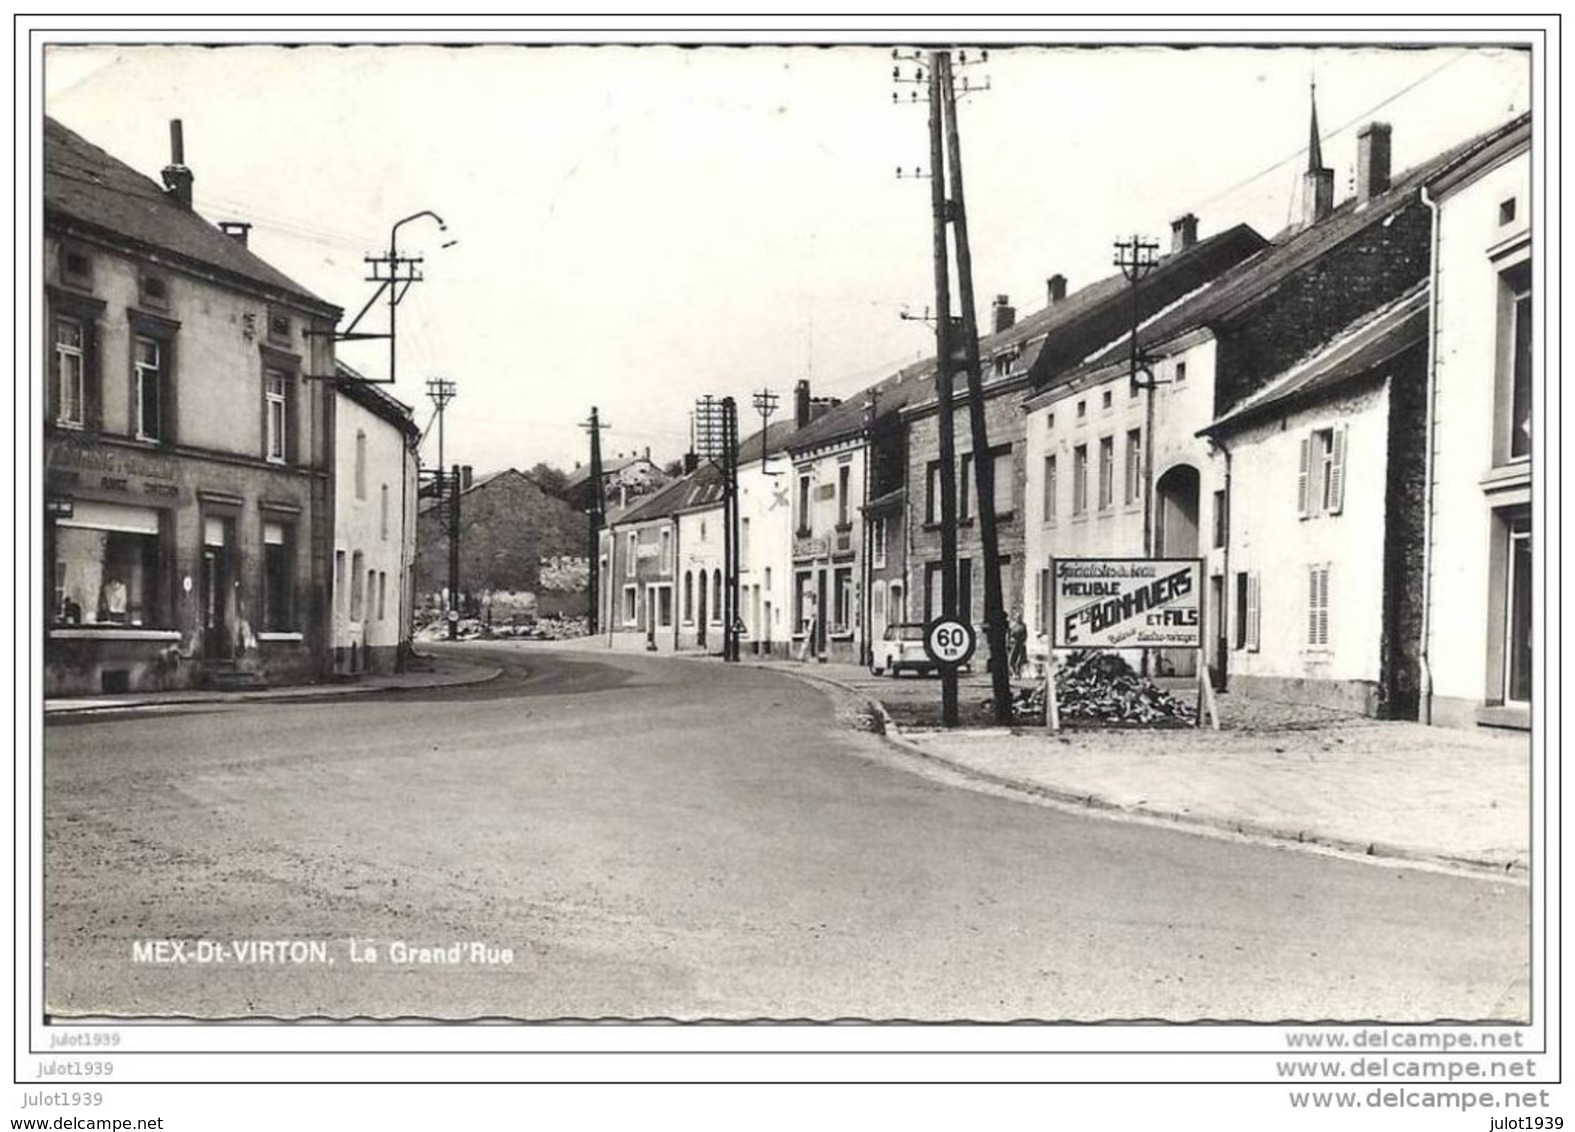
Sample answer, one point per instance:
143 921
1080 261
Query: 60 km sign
949 643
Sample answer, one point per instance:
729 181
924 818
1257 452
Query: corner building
186 449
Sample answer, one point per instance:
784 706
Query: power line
1341 128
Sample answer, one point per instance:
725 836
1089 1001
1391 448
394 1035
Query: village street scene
889 533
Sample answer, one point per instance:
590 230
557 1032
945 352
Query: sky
640 226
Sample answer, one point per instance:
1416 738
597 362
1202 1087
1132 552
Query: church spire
1317 182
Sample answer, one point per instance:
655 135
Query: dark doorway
1176 536
218 588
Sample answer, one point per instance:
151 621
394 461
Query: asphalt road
629 837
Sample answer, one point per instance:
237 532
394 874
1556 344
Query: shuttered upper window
1320 481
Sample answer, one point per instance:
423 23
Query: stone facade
509 527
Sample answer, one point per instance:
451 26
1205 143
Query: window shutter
1312 605
1337 472
1252 612
1323 605
1302 477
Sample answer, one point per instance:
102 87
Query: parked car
901 647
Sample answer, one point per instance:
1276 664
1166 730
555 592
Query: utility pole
1137 258
441 390
716 438
730 634
941 213
598 517
453 553
983 462
765 403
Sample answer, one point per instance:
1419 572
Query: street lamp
395 291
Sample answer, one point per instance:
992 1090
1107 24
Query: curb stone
304 693
1516 872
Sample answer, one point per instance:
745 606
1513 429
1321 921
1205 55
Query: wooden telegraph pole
943 379
598 517
983 463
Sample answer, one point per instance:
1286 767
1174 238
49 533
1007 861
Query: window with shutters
1318 606
1320 483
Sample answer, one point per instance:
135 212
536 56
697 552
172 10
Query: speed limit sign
949 642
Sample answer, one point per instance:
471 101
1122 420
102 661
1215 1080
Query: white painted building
1322 555
828 534
1479 624
1085 469
375 470
701 544
765 517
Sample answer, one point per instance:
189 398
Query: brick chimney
691 462
1055 288
1183 232
1002 314
1372 161
178 178
236 230
801 404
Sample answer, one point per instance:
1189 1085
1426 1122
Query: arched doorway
1176 536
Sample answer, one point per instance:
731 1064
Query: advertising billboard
1126 603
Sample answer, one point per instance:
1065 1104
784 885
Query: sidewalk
1284 772
424 672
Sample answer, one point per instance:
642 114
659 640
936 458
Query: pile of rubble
1100 687
543 629
556 628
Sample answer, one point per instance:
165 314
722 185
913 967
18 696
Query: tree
550 479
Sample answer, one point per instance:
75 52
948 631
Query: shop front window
106 567
278 612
